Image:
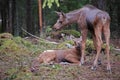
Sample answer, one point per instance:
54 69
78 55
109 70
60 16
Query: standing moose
89 18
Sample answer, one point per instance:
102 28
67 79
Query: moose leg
72 59
106 32
84 35
98 43
95 45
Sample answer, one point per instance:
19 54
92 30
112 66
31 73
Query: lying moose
71 55
88 18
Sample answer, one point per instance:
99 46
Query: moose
89 18
71 55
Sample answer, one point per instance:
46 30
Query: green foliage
63 44
49 3
18 52
90 46
66 32
71 32
48 30
16 55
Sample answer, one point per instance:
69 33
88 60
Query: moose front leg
84 37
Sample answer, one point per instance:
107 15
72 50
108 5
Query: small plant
48 30
63 44
70 32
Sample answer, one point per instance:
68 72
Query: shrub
70 32
63 44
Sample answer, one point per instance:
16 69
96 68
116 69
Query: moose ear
60 13
63 14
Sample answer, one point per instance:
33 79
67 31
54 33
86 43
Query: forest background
16 15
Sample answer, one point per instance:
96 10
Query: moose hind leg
97 43
72 59
107 50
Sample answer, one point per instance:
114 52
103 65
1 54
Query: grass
16 55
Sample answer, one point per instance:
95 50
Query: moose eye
60 22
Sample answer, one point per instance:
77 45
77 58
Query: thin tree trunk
3 17
10 16
29 22
14 19
40 14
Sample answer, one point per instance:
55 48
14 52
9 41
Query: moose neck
73 16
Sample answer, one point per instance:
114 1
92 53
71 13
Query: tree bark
101 4
10 16
29 22
40 14
4 15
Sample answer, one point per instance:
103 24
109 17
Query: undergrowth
16 54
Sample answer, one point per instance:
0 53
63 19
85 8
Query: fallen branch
42 40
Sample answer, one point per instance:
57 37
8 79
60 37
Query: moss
6 36
66 32
63 44
90 46
17 53
71 32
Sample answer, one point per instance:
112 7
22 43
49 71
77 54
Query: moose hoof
93 68
80 64
99 62
109 71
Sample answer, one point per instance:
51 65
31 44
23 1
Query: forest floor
16 55
76 72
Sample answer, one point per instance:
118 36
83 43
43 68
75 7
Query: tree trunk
101 4
4 15
10 16
40 14
29 22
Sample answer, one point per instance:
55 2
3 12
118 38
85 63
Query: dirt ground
84 72
76 72
15 64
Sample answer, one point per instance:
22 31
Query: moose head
61 22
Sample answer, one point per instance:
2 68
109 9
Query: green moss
16 54
63 44
90 46
71 32
67 32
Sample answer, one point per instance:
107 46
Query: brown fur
71 55
89 18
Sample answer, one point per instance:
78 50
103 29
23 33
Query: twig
43 40
30 34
